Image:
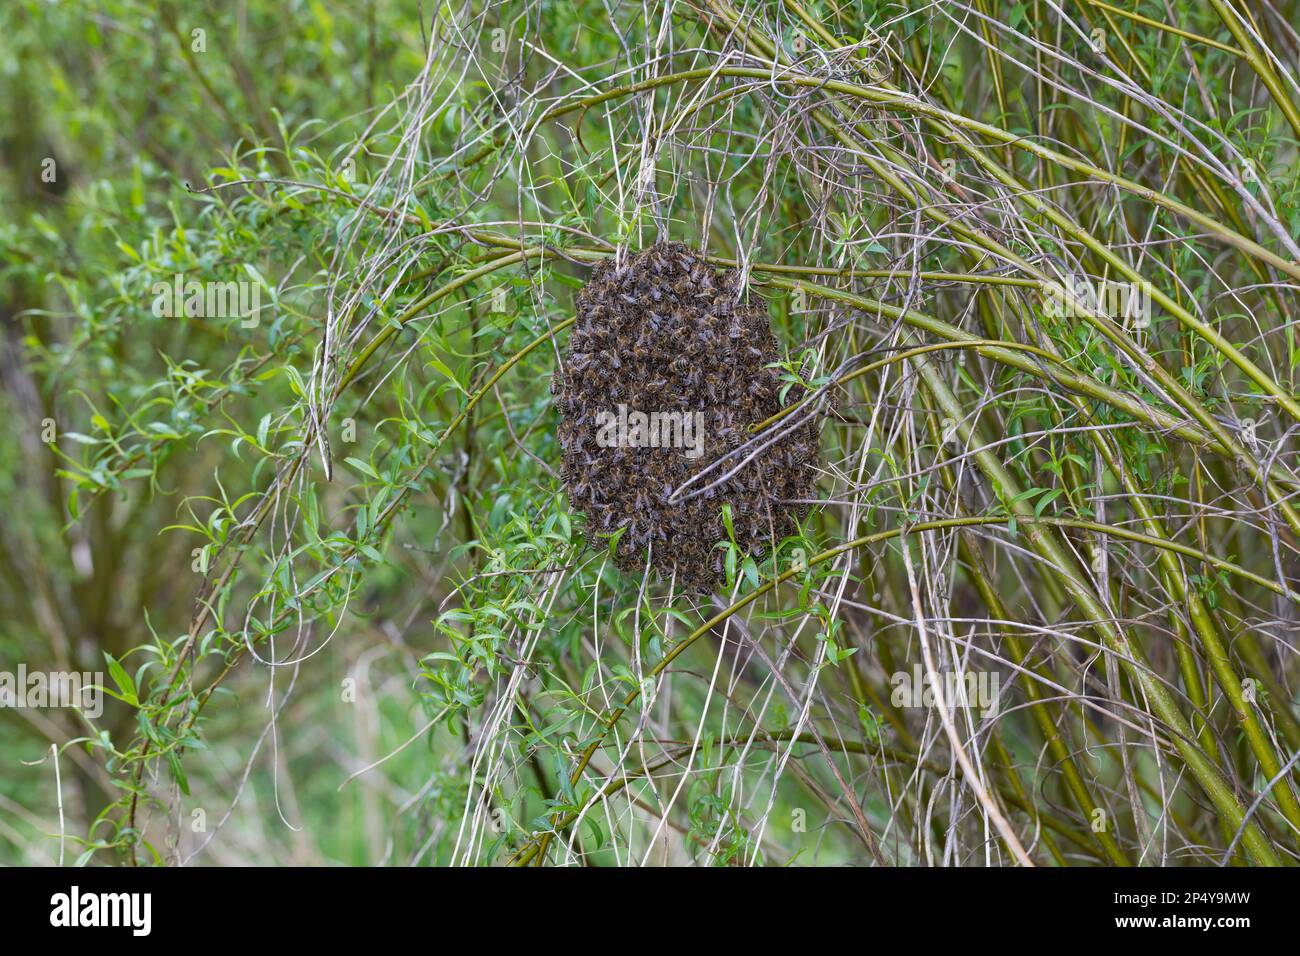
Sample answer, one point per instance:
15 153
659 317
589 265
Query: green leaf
123 680
441 366
178 774
363 467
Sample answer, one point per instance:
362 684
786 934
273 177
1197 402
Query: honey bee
662 330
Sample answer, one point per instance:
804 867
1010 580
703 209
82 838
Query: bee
663 330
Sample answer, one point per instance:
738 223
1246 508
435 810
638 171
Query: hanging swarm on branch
666 372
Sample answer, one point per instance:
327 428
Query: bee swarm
665 332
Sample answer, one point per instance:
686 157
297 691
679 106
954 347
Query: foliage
1042 258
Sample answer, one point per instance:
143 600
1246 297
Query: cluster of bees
663 331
